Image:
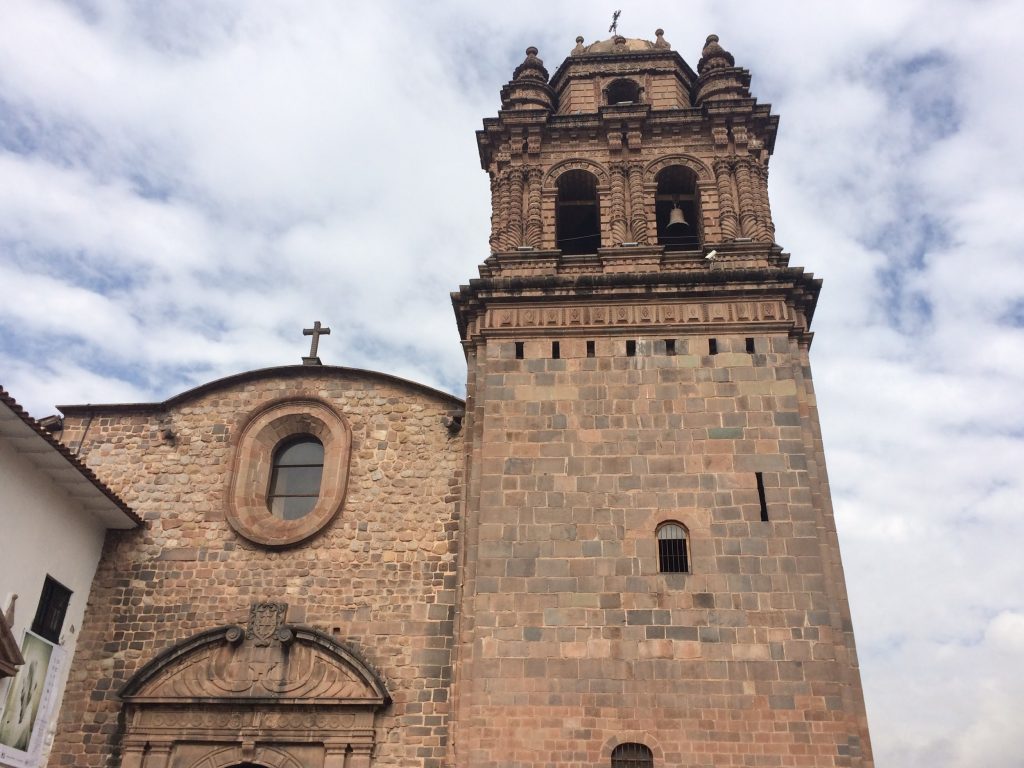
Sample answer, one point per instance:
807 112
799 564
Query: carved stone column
504 204
133 754
534 222
748 198
619 227
360 757
637 214
727 220
767 233
159 756
334 756
515 208
496 206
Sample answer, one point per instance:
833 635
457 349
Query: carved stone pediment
274 694
269 664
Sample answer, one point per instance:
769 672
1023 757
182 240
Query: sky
185 186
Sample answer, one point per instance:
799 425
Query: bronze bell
676 218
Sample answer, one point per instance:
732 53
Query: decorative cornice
781 296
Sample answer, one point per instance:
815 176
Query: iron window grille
672 554
631 755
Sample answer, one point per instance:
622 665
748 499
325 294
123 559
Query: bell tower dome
650 574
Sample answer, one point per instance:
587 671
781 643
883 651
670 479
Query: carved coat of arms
264 619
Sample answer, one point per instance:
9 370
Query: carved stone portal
277 695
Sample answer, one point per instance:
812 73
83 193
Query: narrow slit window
519 350
52 608
632 755
760 496
672 554
712 346
556 350
670 346
750 345
631 348
298 468
590 349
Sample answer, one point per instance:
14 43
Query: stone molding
247 511
657 316
699 168
577 164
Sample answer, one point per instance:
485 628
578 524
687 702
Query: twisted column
727 220
496 214
514 231
637 214
748 199
534 222
504 203
767 233
620 230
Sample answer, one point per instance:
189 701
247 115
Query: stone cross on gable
316 332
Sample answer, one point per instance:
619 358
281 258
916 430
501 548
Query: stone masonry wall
571 639
380 577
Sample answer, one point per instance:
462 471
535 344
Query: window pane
306 451
53 605
292 507
295 478
290 481
671 531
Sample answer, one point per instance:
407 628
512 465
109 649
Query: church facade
619 550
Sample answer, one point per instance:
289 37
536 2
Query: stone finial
659 39
532 67
529 87
714 56
621 45
580 48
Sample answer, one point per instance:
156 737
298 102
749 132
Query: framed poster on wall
31 697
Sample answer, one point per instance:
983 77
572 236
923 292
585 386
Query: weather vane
614 28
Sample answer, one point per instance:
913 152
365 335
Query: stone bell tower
651 575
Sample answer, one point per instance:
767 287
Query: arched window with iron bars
673 553
632 755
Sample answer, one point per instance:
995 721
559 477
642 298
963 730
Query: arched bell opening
623 92
578 216
677 209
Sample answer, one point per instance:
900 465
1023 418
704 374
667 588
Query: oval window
295 479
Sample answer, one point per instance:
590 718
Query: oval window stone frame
247 510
